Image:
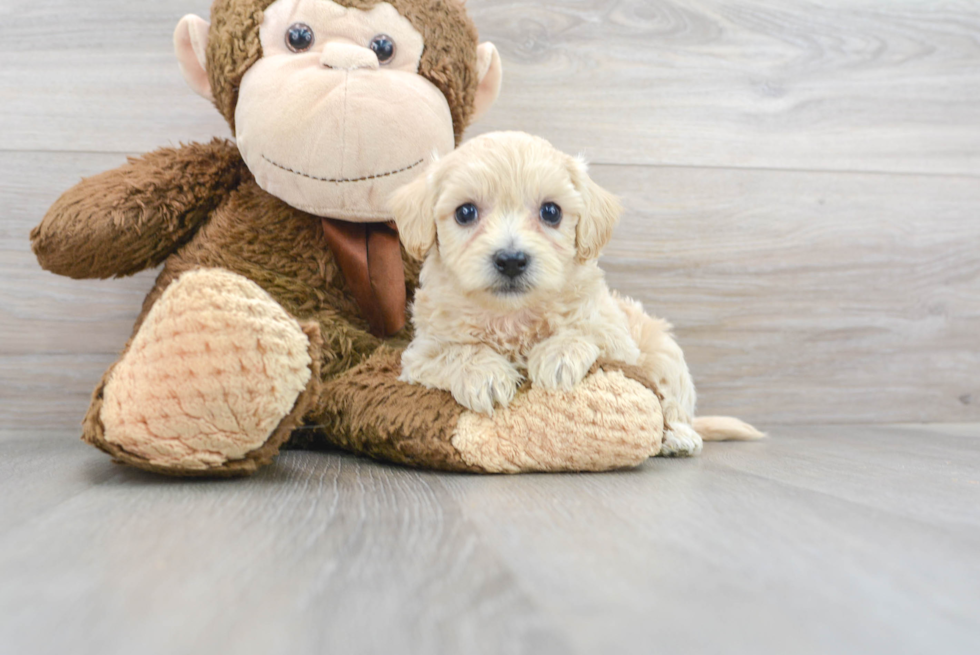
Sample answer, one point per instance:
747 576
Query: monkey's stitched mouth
345 180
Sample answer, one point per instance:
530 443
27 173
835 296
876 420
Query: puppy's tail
724 428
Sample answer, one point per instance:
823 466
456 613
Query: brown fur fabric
449 60
145 210
405 424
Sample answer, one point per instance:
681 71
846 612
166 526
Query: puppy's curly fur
511 287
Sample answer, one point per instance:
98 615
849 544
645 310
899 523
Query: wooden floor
802 189
819 540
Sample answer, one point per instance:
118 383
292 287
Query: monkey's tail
724 428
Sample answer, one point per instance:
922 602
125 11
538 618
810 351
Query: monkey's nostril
511 264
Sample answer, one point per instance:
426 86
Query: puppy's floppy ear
602 211
414 209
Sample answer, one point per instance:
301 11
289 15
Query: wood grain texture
45 392
807 505
804 84
830 85
810 297
848 540
42 313
326 556
103 78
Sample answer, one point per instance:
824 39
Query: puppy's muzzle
512 264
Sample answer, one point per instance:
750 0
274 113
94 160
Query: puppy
510 231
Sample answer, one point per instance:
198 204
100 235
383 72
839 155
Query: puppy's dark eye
384 47
299 37
551 214
467 214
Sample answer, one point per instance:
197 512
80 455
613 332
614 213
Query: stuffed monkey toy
279 312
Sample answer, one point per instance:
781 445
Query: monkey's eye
384 47
467 214
551 214
299 37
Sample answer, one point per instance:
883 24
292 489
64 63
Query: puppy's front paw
480 387
561 363
476 376
681 441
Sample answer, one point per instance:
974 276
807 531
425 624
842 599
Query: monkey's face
334 116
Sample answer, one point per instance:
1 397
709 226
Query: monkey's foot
612 420
212 383
609 421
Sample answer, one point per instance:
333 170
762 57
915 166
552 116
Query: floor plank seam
611 164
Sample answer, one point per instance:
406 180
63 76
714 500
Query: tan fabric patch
213 370
355 133
449 60
608 422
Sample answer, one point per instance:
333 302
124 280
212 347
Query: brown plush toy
280 308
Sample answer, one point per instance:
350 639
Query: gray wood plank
800 544
970 430
696 557
826 85
319 554
803 84
49 392
44 313
41 470
927 474
95 25
803 297
110 84
41 312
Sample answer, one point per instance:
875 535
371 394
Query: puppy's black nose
512 264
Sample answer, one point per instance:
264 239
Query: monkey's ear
414 209
602 212
491 72
191 44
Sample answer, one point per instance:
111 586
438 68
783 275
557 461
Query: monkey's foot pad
212 372
610 421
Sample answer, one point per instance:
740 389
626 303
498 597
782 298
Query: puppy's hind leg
664 362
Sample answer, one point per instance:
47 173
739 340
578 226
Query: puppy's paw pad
681 441
561 364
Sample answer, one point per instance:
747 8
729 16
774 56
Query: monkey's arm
122 221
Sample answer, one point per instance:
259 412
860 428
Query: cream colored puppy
511 230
